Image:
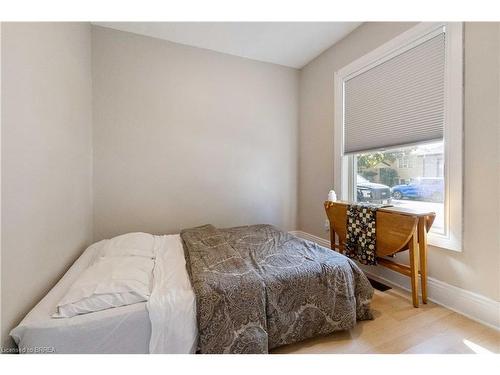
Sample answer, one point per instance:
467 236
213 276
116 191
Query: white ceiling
292 44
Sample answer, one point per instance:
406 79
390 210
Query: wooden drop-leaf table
397 229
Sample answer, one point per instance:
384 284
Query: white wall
185 136
477 268
46 159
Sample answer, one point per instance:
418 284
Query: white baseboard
472 305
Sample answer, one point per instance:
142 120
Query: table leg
332 238
422 249
414 268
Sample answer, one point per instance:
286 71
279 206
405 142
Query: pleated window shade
398 102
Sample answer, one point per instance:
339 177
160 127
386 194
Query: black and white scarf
361 238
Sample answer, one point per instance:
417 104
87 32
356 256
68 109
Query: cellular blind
398 102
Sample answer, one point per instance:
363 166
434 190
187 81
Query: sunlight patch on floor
476 348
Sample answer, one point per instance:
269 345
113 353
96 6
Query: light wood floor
400 328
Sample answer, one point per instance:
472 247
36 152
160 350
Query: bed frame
398 229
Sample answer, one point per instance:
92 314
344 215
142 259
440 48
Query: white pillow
95 250
110 282
130 244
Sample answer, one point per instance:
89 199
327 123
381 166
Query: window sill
444 242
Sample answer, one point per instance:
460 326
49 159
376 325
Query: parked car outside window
372 192
423 188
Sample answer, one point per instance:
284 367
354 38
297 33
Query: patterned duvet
258 288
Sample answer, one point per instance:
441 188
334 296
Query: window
405 161
398 118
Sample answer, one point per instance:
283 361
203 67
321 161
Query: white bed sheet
172 304
125 329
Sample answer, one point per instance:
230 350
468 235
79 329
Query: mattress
125 329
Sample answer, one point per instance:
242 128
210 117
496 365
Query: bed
236 290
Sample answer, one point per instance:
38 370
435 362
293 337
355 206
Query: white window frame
453 122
